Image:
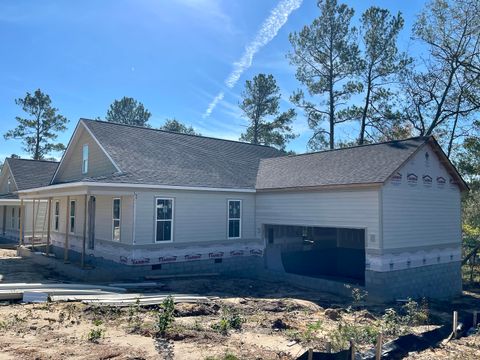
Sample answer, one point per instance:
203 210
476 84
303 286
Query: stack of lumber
16 291
100 295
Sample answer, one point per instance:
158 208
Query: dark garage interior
325 252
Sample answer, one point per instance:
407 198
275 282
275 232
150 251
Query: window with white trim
73 210
116 213
163 219
12 220
85 159
234 219
56 216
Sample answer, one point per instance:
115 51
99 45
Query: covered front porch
81 222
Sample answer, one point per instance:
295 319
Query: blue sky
172 55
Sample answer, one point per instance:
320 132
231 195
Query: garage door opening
324 252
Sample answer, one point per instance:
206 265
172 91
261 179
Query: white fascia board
133 186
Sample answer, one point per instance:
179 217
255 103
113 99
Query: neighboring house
17 175
136 200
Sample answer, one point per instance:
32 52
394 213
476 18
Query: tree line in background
351 74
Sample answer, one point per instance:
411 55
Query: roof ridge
49 161
177 133
353 147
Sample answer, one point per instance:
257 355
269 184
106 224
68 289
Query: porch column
49 221
4 220
67 223
33 225
22 214
85 213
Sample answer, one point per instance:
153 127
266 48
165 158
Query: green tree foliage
260 105
128 111
444 90
176 126
39 131
468 164
380 65
326 56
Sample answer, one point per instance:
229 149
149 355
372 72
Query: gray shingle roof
30 174
356 165
149 156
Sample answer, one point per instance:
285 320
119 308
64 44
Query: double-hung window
164 219
234 219
72 216
56 216
85 159
116 219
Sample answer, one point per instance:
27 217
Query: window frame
239 219
70 216
56 217
119 219
172 220
85 155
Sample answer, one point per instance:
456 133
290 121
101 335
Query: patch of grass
227 356
308 335
230 320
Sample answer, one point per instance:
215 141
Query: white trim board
135 186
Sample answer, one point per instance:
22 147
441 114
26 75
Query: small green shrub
416 314
360 334
95 334
165 316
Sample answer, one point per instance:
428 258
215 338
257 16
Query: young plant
165 316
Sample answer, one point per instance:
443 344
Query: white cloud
268 30
214 103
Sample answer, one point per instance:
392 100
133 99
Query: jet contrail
269 29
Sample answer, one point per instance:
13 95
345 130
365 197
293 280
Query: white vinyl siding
116 219
164 214
71 167
234 219
199 216
421 213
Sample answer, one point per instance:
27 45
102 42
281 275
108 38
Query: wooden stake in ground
310 354
378 347
352 349
328 348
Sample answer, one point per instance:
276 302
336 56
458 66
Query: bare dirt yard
247 320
